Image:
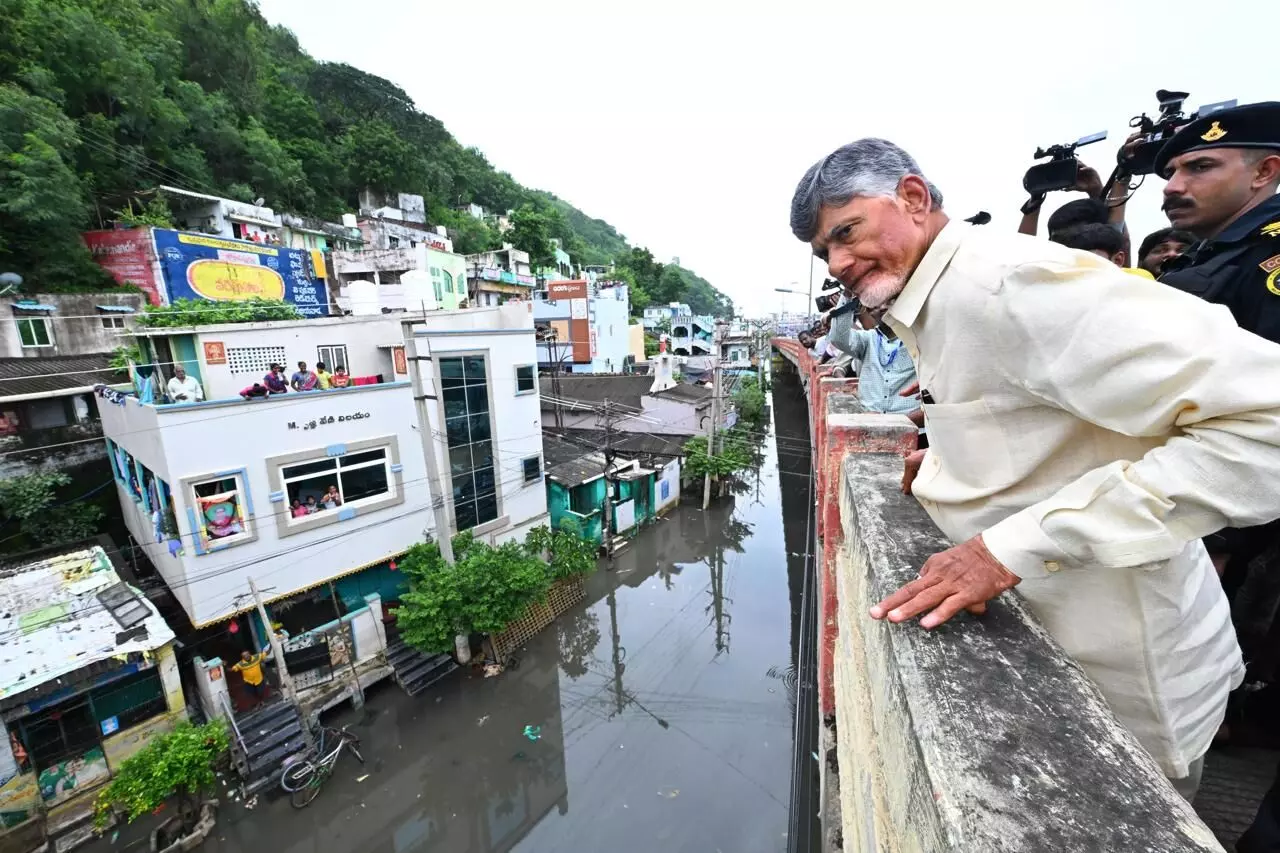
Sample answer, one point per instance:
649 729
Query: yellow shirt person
324 377
250 669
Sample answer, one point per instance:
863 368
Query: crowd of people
1102 428
274 382
302 507
183 388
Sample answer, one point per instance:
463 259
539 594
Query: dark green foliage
31 504
486 589
179 762
104 100
198 312
749 399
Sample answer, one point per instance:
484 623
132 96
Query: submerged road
663 707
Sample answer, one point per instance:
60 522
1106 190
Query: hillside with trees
103 100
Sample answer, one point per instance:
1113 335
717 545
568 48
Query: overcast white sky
687 124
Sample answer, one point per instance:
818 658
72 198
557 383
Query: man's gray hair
868 167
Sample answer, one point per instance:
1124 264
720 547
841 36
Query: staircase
262 739
415 671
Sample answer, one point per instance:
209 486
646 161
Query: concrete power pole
435 490
715 414
605 536
277 652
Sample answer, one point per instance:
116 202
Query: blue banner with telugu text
201 266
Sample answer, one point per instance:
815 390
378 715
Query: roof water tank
363 296
419 292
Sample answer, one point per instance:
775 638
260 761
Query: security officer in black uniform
1223 172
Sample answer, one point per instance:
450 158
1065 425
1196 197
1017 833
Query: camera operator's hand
1088 181
1126 152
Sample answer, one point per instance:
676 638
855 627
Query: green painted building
576 491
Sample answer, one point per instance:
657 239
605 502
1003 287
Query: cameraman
1092 209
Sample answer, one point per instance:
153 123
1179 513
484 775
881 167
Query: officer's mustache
1176 203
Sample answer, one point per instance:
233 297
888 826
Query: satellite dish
9 282
258 202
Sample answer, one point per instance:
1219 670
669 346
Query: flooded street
661 711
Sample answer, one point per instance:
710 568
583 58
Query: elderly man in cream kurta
1086 428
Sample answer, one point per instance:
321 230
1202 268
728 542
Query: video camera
1060 172
827 301
1140 157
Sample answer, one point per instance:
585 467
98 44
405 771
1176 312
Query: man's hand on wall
965 577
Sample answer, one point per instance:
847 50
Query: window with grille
112 321
469 434
532 469
254 360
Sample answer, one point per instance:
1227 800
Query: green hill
103 100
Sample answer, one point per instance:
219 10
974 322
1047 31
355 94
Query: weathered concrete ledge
980 735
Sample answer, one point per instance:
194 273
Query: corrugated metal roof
687 393
23 305
53 623
592 391
55 373
123 309
570 464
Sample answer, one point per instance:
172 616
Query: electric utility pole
277 652
715 414
435 491
606 509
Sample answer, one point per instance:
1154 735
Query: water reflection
657 723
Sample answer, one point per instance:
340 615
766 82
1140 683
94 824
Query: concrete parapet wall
980 735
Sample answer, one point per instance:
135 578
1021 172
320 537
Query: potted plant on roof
177 765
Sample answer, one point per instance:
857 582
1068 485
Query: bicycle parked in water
306 774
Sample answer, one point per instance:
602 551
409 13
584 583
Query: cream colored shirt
1092 426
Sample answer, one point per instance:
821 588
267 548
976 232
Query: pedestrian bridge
977 736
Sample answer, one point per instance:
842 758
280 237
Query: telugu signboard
129 256
197 266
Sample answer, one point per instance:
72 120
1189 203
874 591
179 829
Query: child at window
332 500
298 509
311 505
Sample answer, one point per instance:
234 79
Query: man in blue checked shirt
886 368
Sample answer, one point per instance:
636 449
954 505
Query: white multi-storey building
307 487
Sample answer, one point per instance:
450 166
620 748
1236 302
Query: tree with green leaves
531 232
484 590
730 456
177 763
30 503
749 399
